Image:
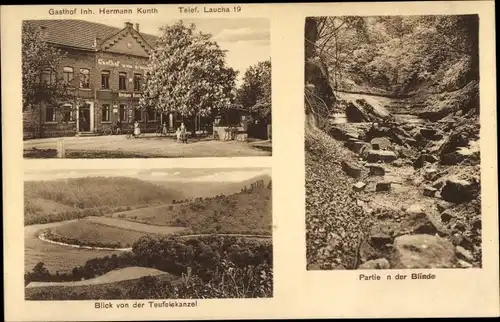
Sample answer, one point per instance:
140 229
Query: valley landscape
178 233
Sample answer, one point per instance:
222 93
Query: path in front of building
148 146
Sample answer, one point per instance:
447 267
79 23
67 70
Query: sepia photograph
111 88
176 233
393 175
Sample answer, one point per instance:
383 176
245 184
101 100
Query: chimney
137 27
97 40
128 25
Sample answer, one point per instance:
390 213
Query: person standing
183 133
137 129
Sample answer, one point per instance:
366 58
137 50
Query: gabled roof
80 33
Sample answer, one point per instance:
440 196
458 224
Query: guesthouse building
106 66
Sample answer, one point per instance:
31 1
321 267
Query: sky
246 39
172 174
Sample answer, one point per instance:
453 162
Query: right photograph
392 142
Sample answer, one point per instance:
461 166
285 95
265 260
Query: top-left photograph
146 89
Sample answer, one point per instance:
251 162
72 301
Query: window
105 80
50 114
122 81
68 74
46 76
123 112
68 113
84 78
151 114
105 113
137 82
138 114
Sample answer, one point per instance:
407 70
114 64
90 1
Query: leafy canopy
188 73
41 80
255 92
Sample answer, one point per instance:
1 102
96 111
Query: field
90 292
117 275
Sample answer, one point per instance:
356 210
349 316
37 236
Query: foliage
39 60
219 266
399 54
188 73
255 92
246 212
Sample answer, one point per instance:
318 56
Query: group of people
180 133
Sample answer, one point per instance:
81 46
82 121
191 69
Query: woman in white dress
137 129
183 133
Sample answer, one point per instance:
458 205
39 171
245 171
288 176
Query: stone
381 155
375 146
381 142
447 215
376 170
461 155
442 205
439 183
381 235
419 161
464 254
367 252
461 240
431 158
418 222
422 251
430 191
430 173
428 133
458 190
351 169
355 145
380 263
383 186
464 264
411 142
359 186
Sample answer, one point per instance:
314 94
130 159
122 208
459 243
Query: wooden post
60 148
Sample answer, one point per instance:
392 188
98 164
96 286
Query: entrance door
84 118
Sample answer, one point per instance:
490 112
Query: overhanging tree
188 74
42 83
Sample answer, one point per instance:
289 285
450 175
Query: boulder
383 186
464 254
448 215
356 113
367 252
359 186
381 155
382 143
380 263
422 251
430 173
458 190
351 169
428 133
376 170
461 155
343 133
430 191
356 145
417 221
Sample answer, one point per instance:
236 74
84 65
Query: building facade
106 66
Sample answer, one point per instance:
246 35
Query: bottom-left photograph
177 233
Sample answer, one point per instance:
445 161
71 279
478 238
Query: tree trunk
195 119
